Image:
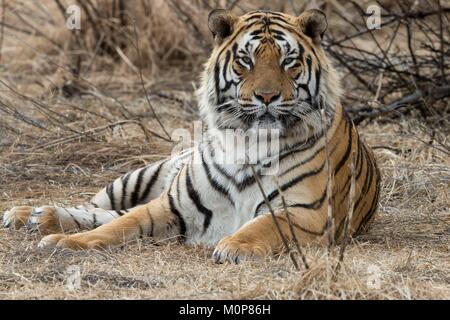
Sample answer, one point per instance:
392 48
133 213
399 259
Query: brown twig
405 102
349 216
141 77
272 212
291 226
328 170
2 27
92 132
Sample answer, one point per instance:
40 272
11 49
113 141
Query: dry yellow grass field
65 138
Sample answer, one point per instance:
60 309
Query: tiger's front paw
78 241
43 220
235 249
17 217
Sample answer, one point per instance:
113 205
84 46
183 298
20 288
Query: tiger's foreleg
260 236
51 219
153 219
113 201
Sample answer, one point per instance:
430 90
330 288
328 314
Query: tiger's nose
266 97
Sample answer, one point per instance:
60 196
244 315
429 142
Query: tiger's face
267 70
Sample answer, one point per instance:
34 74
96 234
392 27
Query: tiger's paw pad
236 251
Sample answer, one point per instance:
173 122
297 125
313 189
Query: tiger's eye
287 61
247 60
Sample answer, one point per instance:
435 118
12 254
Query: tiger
268 71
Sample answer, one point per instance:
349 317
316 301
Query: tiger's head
268 70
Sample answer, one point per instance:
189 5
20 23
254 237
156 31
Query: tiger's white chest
226 220
211 213
228 216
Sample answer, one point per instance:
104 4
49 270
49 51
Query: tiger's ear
313 23
221 23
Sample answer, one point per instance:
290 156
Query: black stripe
177 213
297 226
228 83
368 180
229 41
75 220
312 205
359 165
309 64
291 183
94 204
318 75
125 180
301 178
276 14
281 19
250 180
300 147
255 33
225 107
215 184
247 182
225 65
279 33
303 162
240 186
347 151
150 184
110 193
94 221
137 187
198 204
306 88
257 15
290 29
373 206
222 171
217 82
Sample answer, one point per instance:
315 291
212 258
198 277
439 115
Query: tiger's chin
286 127
268 122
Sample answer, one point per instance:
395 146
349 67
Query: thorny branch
418 59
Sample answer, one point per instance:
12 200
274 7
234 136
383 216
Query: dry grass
407 250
